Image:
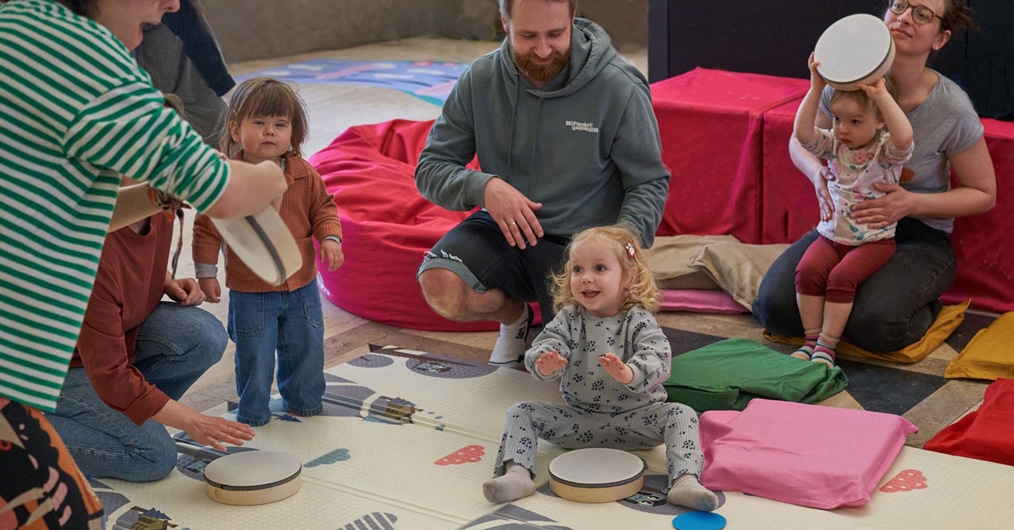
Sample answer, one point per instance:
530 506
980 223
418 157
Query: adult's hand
878 213
513 212
204 429
214 431
824 201
186 291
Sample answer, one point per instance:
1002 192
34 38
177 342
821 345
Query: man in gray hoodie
566 139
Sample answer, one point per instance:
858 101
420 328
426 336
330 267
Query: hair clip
630 250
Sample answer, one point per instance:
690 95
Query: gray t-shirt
944 125
582 338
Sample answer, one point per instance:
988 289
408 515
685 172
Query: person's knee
157 460
211 337
880 332
444 292
841 288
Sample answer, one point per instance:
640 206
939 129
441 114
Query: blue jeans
292 323
175 346
893 308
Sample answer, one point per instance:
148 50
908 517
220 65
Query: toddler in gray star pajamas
605 296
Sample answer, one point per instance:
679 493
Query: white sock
511 486
510 345
688 492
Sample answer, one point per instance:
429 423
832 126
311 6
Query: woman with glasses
896 306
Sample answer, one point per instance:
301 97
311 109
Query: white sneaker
511 345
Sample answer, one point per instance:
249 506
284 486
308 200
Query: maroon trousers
834 270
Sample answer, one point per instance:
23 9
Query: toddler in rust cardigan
267 121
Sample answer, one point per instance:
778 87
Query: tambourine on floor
253 477
263 243
596 475
855 49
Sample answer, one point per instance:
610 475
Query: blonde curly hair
638 279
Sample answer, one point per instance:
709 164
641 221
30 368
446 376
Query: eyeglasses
920 14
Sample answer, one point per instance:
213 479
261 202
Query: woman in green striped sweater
76 114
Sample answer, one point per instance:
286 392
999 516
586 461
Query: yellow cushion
947 321
990 353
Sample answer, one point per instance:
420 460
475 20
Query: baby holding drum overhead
859 153
605 296
896 306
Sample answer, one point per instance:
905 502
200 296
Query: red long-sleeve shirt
128 287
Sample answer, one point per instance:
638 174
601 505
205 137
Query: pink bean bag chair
386 224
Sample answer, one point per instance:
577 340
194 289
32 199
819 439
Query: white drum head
263 243
855 49
253 477
596 475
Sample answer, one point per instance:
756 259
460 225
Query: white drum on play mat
855 49
596 475
253 477
263 243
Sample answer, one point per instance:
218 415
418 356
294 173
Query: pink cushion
386 224
699 301
810 455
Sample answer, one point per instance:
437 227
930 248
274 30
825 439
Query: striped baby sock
824 352
805 352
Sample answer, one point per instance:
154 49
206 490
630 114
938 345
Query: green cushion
726 375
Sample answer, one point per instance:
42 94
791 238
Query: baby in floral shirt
859 153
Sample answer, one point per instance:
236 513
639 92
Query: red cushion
710 122
982 242
386 225
986 433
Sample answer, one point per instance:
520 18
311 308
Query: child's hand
331 253
212 289
816 81
615 367
550 362
875 91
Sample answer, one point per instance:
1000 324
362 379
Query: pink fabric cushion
699 301
810 455
386 225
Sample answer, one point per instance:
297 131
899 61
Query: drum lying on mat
253 477
596 475
855 49
263 243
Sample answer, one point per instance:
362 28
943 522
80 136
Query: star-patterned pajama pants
673 424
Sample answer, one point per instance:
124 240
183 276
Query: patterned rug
407 437
430 81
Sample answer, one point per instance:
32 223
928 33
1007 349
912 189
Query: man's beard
540 73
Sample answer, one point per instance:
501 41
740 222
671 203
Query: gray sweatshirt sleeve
637 152
650 353
440 175
555 336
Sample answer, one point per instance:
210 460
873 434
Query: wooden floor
332 109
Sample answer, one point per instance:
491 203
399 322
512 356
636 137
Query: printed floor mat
407 438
